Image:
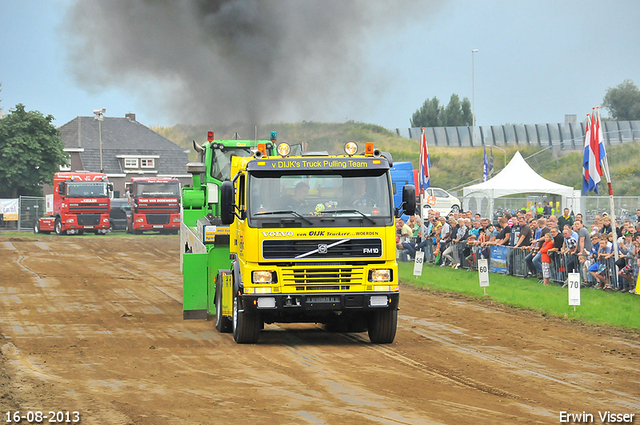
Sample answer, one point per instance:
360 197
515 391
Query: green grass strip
597 307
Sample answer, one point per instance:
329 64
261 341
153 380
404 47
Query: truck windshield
221 161
338 199
87 190
158 189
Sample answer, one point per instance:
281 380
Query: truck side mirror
227 202
409 199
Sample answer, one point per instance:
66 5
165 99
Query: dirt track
94 324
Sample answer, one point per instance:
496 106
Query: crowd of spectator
539 245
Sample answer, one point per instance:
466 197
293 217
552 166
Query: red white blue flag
594 153
425 163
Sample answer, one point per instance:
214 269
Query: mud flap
194 286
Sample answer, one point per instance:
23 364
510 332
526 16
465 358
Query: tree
467 114
31 151
428 115
431 114
453 112
623 101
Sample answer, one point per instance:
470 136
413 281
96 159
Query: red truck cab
155 205
80 202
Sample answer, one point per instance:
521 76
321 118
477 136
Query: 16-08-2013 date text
38 417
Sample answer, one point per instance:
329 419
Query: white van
439 200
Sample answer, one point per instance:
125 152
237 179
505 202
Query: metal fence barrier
31 208
467 256
561 135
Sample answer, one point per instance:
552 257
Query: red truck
155 205
80 202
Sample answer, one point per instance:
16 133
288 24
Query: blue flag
485 169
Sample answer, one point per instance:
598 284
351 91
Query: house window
147 163
131 163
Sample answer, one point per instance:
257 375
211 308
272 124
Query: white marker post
418 262
483 273
574 289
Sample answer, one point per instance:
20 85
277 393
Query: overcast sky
536 62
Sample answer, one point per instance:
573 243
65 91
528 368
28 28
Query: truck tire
246 326
58 227
223 324
382 326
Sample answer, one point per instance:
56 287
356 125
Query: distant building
129 149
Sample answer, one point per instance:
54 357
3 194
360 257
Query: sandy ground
94 325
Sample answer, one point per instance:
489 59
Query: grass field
597 307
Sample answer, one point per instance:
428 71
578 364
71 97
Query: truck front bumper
295 303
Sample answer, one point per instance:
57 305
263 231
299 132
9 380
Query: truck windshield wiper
352 211
294 213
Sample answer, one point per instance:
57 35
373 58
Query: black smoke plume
226 61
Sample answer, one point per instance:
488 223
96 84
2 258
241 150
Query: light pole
473 96
505 154
99 115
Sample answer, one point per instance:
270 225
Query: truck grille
158 218
88 219
323 279
159 208
321 248
88 207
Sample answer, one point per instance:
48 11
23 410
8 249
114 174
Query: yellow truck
311 239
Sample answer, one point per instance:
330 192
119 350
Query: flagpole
420 183
607 175
421 175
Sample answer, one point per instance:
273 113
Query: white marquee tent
517 177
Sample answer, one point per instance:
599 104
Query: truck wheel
246 326
36 228
58 227
223 324
382 326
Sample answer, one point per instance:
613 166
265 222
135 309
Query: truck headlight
262 290
380 275
262 276
69 220
176 220
139 220
284 149
105 220
350 148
